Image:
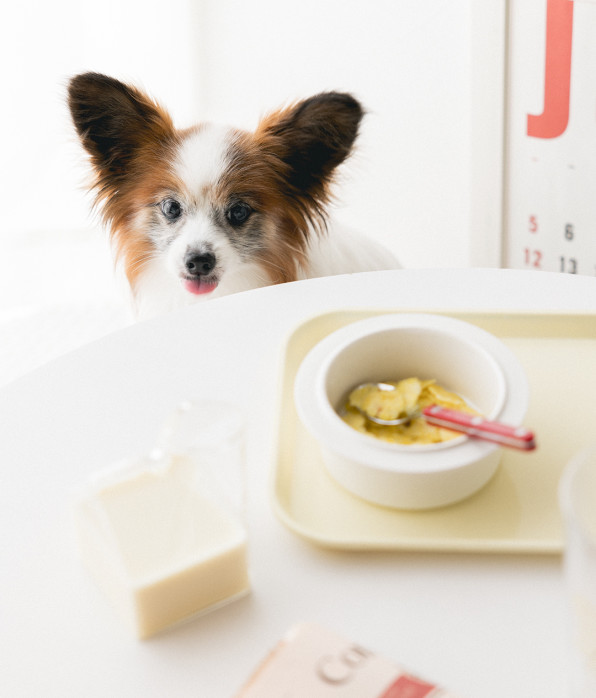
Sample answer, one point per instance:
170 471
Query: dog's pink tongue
199 287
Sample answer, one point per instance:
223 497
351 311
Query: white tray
516 511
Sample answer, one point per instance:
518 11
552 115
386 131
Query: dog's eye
238 214
171 209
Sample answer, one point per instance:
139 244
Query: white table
484 625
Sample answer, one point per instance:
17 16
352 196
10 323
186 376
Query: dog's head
208 203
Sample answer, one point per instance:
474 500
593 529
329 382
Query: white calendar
550 144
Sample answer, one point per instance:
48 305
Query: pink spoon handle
480 428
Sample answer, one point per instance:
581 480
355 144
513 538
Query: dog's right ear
114 121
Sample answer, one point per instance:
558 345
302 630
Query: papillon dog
202 212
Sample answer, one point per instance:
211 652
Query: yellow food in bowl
409 398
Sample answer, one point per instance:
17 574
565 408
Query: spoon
469 424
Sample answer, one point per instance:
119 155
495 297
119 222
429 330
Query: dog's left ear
114 122
313 137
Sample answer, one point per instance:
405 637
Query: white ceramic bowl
460 356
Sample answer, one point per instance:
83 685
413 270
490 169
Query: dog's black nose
200 264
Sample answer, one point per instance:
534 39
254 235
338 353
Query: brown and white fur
209 210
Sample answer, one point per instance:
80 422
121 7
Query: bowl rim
324 423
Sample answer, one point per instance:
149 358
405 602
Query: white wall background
42 44
420 68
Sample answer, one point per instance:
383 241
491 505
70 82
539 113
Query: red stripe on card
408 687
